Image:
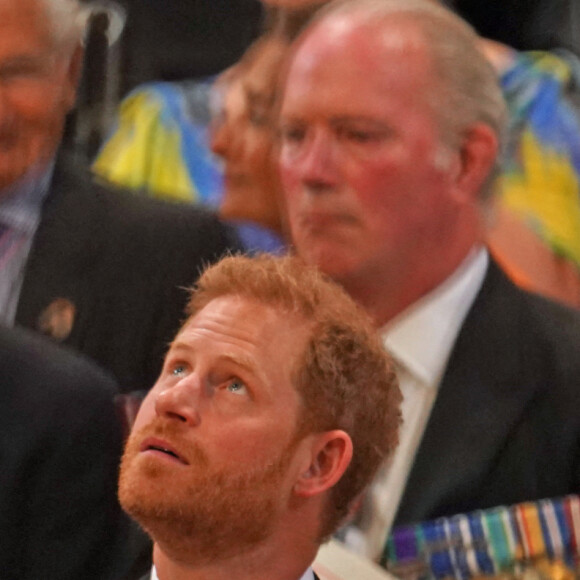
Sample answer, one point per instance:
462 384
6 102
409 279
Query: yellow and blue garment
160 144
540 179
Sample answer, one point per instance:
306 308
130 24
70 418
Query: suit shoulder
554 320
134 217
164 220
550 345
534 340
501 304
37 367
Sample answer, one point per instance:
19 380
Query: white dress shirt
420 340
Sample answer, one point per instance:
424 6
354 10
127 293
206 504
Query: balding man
391 123
100 271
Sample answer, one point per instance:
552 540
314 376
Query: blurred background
132 42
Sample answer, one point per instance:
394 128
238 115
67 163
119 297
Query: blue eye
178 370
236 386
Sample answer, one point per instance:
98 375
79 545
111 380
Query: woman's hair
281 25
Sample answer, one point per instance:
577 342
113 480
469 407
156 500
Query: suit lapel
482 388
61 262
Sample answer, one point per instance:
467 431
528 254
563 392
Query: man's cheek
146 412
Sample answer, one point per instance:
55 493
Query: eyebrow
26 60
240 360
371 121
339 119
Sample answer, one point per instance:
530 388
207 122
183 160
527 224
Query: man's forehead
22 8
337 56
24 22
246 316
345 32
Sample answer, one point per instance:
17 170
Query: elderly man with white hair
101 272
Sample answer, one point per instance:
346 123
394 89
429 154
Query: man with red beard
274 408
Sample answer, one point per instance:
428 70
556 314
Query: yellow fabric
144 154
548 188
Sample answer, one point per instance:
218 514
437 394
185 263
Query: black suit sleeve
60 444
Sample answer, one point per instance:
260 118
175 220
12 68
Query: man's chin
196 518
331 259
143 484
9 177
196 537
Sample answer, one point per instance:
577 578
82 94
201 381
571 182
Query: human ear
476 159
329 456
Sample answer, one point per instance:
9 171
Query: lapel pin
57 319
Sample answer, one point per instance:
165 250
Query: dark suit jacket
123 261
505 426
60 444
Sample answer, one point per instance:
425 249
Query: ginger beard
198 513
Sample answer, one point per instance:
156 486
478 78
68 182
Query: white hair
467 89
67 19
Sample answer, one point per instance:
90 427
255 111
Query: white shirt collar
422 336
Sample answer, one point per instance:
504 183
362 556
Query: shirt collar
422 336
21 203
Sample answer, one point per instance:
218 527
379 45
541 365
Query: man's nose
181 401
318 161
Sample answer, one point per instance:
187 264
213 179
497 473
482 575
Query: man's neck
385 296
273 560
